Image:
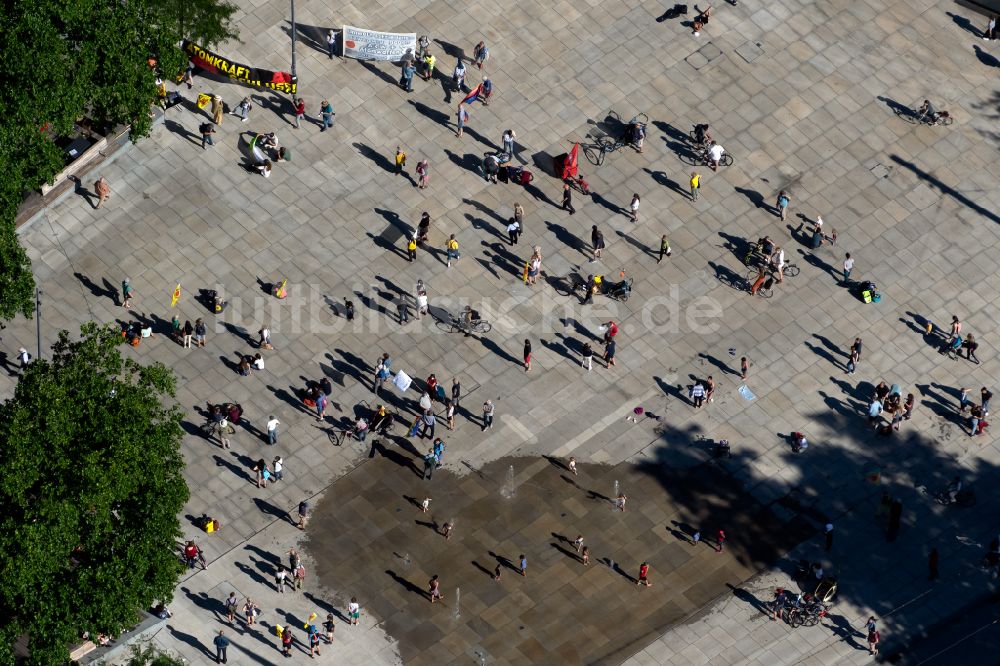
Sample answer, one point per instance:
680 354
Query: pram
617 290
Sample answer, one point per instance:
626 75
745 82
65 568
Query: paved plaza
808 97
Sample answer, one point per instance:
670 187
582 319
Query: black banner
265 78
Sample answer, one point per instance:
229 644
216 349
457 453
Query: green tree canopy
63 59
91 493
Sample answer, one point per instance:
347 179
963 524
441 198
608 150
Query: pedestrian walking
313 643
243 109
103 191
986 395
873 640
326 112
231 604
425 505
430 463
401 161
451 247
331 43
533 267
411 248
597 242
971 346
610 347
513 231
423 174
874 411
383 370
272 429
585 555
828 536
587 356
567 199
508 142
697 394
458 76
402 310
695 185
321 406
852 361
932 564
519 217
527 355
329 625
908 407
634 208
665 250
250 611
480 54
407 70
523 565
200 331
429 422
620 501
293 559
578 543
720 541
488 410
300 110
710 389
991 29
744 368
429 62
446 531
287 640
497 572
354 611
781 205
127 293
462 117
278 465
434 588
303 514
643 575
280 577
262 472
221 644
848 267
217 109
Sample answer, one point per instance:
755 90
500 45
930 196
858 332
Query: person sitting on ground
264 169
258 362
146 331
701 20
244 366
954 488
799 442
326 385
269 140
361 429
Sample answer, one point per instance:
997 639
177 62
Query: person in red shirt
300 111
610 331
432 384
720 541
191 554
643 573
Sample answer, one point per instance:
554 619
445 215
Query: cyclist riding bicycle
926 111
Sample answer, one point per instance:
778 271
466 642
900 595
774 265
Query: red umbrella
569 164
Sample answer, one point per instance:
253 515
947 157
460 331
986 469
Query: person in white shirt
848 267
272 430
278 465
778 259
715 153
331 42
421 303
258 362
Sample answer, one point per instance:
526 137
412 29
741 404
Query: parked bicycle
632 134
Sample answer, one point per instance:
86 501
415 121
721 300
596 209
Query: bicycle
337 436
388 424
607 143
766 290
458 325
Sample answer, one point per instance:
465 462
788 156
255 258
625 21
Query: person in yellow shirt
411 248
452 247
400 160
429 61
695 185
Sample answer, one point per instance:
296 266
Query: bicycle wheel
810 620
947 121
482 327
794 619
642 118
765 293
791 270
727 160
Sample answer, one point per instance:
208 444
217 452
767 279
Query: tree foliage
91 493
63 59
147 655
